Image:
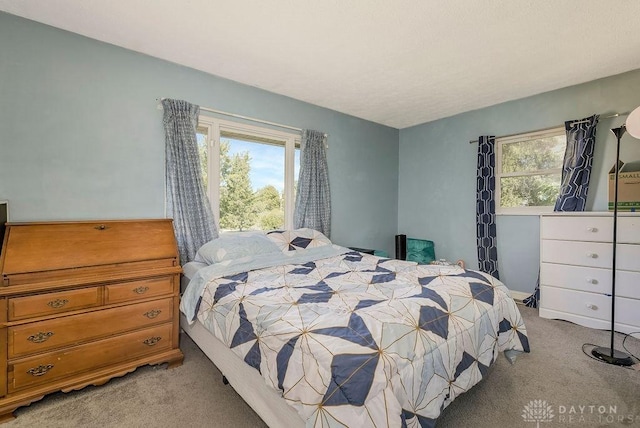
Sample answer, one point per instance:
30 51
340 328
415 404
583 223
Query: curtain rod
239 116
548 129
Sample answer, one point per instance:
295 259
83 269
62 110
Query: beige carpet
193 395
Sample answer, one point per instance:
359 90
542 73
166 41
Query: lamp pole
611 355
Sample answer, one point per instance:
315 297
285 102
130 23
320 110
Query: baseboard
519 296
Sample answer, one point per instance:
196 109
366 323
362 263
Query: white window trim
552 132
216 127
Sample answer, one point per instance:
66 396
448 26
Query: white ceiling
398 63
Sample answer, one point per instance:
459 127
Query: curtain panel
576 175
187 202
313 197
486 207
576 168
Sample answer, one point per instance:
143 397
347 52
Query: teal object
381 253
420 250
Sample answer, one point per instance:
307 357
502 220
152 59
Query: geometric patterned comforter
361 341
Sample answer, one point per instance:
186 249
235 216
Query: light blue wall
437 178
81 137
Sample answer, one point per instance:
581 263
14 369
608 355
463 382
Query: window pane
528 191
533 155
251 185
201 137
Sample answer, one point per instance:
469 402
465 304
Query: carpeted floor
556 372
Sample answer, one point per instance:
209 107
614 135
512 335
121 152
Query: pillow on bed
297 239
234 246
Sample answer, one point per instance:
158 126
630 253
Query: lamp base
614 356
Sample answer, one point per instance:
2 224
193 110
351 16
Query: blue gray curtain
576 169
187 202
486 207
313 199
576 174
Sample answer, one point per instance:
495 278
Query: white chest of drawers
575 269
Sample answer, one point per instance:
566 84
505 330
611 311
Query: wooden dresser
83 302
575 269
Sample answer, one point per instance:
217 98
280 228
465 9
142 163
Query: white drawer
595 280
587 228
627 284
629 230
591 254
576 302
574 228
628 257
628 311
590 305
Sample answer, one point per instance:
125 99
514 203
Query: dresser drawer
629 229
590 254
51 334
590 305
576 302
628 284
42 369
628 257
587 228
576 228
628 312
53 303
136 290
593 280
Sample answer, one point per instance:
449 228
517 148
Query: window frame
529 210
215 128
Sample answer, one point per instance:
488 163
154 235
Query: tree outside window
256 176
529 171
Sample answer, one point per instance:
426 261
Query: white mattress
245 380
188 271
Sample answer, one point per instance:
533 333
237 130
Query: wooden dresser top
46 247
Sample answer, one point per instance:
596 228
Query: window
250 174
529 171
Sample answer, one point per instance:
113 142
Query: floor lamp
611 355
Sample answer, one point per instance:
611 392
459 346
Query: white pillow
234 246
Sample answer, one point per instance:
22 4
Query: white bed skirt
245 380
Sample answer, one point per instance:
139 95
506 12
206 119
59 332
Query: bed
314 334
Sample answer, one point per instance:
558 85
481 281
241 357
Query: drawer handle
592 255
592 280
592 229
592 306
101 227
152 313
58 303
141 290
40 337
152 341
40 370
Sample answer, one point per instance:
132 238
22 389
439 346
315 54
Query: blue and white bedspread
357 340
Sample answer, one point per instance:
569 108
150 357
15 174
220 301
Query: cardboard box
628 186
